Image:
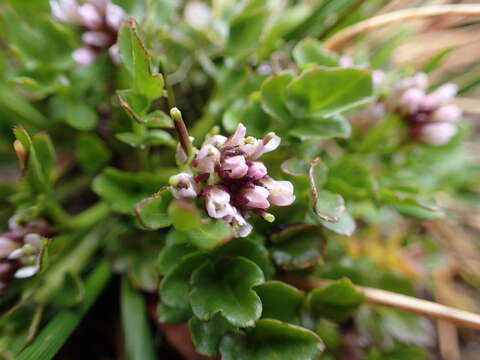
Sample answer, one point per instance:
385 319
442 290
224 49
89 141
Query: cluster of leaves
253 62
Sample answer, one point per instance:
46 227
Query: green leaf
72 291
270 340
300 248
46 153
137 333
210 235
344 226
172 254
134 103
273 94
123 190
225 287
206 335
137 60
324 92
81 116
296 167
52 337
335 301
175 286
158 119
280 301
329 206
152 212
253 117
320 129
148 138
246 28
91 152
411 205
250 249
184 216
310 51
171 315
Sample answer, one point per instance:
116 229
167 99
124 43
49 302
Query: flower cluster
231 180
99 20
20 250
429 115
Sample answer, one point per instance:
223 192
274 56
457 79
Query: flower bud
90 16
114 53
240 226
447 113
66 11
216 140
183 186
114 16
256 170
197 14
437 133
234 167
84 56
411 99
345 61
218 203
206 159
446 92
238 137
7 246
281 192
255 197
96 38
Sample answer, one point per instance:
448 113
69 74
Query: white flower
218 203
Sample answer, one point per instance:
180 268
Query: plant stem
339 40
401 302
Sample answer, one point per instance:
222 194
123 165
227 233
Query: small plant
257 184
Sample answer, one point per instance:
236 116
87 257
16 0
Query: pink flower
238 137
114 16
411 100
218 203
206 159
437 133
240 226
90 16
234 167
256 170
281 193
216 140
183 186
66 11
96 38
255 197
447 113
7 246
85 56
114 53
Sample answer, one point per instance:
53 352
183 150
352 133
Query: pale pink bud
216 140
66 11
269 143
378 76
281 192
84 56
447 113
411 99
437 133
27 271
197 14
345 61
430 102
207 158
96 38
238 137
90 16
255 197
217 203
420 80
235 167
256 170
114 15
183 186
99 4
114 53
446 92
34 240
7 246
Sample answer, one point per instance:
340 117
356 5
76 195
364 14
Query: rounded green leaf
210 235
310 51
175 286
184 215
206 335
272 340
273 93
280 301
225 287
335 301
320 129
152 212
323 92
